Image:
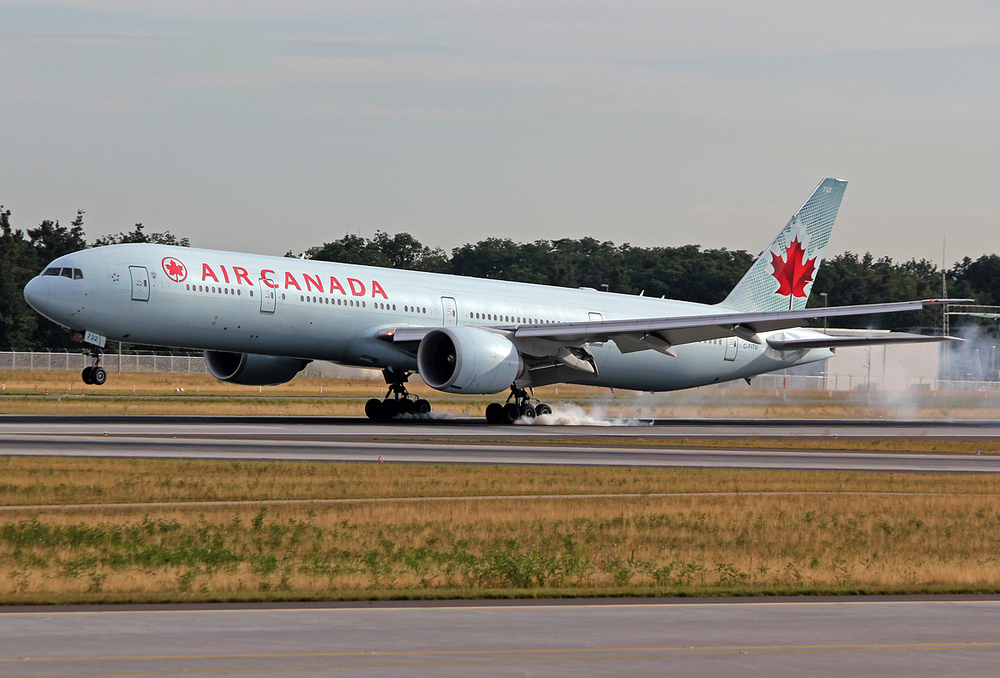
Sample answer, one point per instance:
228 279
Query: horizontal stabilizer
827 341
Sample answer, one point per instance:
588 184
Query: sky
276 126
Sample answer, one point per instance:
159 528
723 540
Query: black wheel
406 406
390 408
88 375
542 409
99 376
422 407
511 413
373 409
527 411
494 413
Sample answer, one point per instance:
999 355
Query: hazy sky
267 126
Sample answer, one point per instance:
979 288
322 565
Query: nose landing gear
94 374
518 406
397 401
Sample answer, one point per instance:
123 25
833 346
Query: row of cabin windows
212 289
326 300
379 305
509 318
71 273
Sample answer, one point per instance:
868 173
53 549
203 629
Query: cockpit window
51 271
67 273
77 274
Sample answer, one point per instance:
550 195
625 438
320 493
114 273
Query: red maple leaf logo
791 272
174 269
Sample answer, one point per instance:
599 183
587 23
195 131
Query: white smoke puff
574 415
430 416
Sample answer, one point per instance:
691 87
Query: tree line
686 272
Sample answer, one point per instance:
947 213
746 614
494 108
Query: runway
475 442
842 637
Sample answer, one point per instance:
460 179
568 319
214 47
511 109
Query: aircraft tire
511 413
406 406
390 408
99 376
494 413
422 407
542 409
87 375
373 409
527 411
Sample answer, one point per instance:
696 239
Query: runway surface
475 442
841 637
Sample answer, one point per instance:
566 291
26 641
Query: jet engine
250 369
467 360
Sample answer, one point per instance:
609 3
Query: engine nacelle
250 369
467 360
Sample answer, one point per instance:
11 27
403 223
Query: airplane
261 319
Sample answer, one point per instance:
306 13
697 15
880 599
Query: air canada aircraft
262 319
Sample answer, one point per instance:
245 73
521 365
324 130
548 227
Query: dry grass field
174 531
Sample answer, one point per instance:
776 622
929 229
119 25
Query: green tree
137 235
18 263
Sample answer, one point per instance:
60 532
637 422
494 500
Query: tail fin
782 276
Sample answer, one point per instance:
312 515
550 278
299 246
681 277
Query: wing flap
826 341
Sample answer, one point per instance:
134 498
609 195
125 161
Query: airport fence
183 362
126 362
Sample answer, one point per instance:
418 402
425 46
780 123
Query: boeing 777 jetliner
260 320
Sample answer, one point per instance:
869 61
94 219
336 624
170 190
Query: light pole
825 305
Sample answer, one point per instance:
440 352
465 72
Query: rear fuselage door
449 310
267 296
140 283
731 347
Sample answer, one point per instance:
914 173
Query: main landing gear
518 406
397 400
94 374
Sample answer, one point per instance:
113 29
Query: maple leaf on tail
791 272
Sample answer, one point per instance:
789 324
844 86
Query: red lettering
335 285
206 272
224 274
241 274
267 281
355 284
310 281
290 280
377 289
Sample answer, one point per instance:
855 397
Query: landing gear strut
518 406
94 374
397 399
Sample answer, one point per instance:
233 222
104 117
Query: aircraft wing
661 334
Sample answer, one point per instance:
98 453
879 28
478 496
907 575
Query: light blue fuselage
331 311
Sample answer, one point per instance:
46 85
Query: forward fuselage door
140 283
449 311
267 296
731 347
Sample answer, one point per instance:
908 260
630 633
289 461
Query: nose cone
36 293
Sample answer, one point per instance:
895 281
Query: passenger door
140 283
731 347
267 297
449 311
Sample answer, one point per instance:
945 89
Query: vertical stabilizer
783 275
